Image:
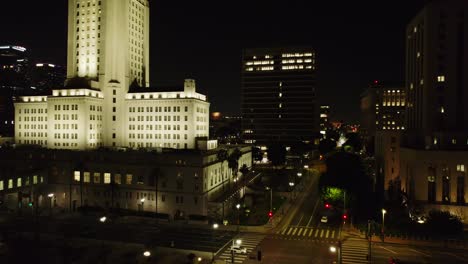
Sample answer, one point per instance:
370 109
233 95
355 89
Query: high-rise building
47 76
14 68
278 95
105 101
324 119
382 113
434 151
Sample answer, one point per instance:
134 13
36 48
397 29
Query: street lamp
238 242
50 195
103 219
238 216
306 166
146 253
332 249
142 200
299 174
291 184
383 224
215 226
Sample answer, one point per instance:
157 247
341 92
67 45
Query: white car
238 249
324 219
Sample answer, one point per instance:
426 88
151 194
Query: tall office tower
278 95
382 112
324 119
47 76
435 146
106 100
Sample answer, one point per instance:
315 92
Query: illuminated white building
108 52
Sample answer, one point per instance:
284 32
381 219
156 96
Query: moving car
238 249
324 219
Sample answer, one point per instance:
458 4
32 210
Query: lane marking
316 232
294 232
389 250
284 230
300 231
321 233
300 219
310 219
453 255
311 231
305 232
414 250
332 234
289 232
326 236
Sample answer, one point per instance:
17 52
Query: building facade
435 143
324 119
105 101
382 113
279 95
174 182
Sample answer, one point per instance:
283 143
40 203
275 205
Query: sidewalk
448 243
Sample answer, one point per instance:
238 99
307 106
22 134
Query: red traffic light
327 205
270 214
345 217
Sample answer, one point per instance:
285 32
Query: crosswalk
300 232
354 251
249 241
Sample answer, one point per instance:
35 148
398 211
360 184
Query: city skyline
188 40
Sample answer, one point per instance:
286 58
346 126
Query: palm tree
222 156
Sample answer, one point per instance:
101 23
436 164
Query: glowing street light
383 223
142 200
306 166
299 174
332 249
50 195
103 219
238 206
238 242
146 253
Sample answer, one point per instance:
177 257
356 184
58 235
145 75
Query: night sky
356 42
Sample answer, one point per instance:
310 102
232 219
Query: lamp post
103 219
50 195
142 200
291 184
238 216
215 226
383 224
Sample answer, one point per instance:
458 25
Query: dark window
113 135
445 186
461 189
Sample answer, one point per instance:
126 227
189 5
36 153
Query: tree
277 154
233 160
257 154
345 171
326 146
443 223
353 141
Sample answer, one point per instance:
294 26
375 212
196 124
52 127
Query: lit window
1 185
280 105
86 177
454 141
460 168
442 110
128 179
435 141
107 178
441 78
10 183
35 179
18 182
76 176
280 95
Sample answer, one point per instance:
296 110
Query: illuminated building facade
434 153
178 183
104 102
278 95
